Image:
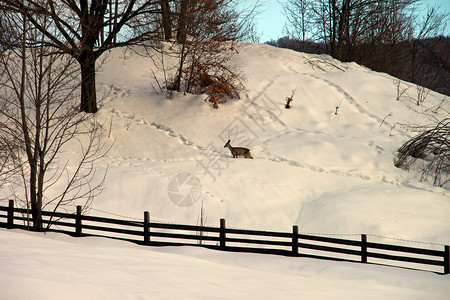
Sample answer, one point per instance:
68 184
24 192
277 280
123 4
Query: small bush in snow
432 147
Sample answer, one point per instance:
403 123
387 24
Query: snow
329 173
60 267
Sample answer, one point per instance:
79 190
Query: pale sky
271 21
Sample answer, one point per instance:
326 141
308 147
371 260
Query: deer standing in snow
238 151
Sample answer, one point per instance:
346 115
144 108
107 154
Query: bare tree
40 119
166 19
76 28
342 24
186 10
394 36
206 36
298 14
424 51
7 36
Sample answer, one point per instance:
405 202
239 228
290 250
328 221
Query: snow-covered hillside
328 170
325 172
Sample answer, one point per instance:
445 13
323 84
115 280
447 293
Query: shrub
433 148
215 80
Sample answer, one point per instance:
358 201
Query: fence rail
235 240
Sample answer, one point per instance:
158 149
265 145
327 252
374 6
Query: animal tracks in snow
378 178
112 92
160 127
261 112
352 101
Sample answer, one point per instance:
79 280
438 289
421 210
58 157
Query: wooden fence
237 240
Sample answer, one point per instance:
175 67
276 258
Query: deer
238 151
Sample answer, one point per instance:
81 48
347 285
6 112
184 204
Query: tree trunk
88 94
36 203
343 25
36 207
182 22
333 25
166 22
413 61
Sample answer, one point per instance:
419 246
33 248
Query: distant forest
425 62
404 38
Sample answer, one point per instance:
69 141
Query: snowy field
328 170
60 267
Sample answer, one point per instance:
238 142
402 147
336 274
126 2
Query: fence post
363 248
446 260
11 214
78 225
294 240
146 228
222 235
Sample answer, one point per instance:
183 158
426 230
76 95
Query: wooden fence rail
237 240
